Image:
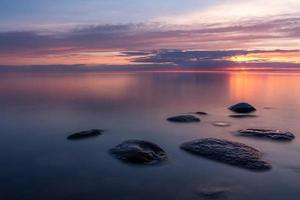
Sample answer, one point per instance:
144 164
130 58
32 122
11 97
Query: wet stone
267 133
242 108
243 116
213 192
85 134
184 119
139 152
221 124
201 113
232 153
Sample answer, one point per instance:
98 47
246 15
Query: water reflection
269 89
38 111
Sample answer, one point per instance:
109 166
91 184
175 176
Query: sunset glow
88 58
289 57
149 99
190 34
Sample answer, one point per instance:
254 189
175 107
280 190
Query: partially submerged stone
267 133
85 134
221 124
242 108
268 108
139 152
184 119
243 116
213 192
228 152
201 113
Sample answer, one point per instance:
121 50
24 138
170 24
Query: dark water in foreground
38 112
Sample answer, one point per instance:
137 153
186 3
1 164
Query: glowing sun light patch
284 57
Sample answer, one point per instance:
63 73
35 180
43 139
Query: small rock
201 113
85 134
184 119
213 192
221 124
139 152
225 151
243 116
268 108
242 108
266 133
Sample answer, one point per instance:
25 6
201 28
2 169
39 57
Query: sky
182 33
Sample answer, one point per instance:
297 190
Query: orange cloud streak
87 58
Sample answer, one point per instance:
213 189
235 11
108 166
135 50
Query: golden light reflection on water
264 87
259 88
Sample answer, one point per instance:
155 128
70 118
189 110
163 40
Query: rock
213 192
139 152
243 116
221 124
85 134
184 119
225 151
268 108
201 113
266 133
242 108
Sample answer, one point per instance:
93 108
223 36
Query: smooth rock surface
139 152
85 134
228 152
242 108
184 119
267 133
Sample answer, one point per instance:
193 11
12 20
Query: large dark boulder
267 133
85 134
242 108
225 151
139 152
184 119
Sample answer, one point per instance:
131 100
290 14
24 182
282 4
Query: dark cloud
197 58
180 57
170 60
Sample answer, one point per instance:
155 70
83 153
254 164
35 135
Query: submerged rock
268 108
266 133
243 116
139 152
221 124
85 134
213 192
242 108
184 119
225 151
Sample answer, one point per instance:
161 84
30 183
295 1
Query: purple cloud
155 36
146 41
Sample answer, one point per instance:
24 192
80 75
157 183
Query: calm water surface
38 112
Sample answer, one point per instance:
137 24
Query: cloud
218 58
264 34
236 10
